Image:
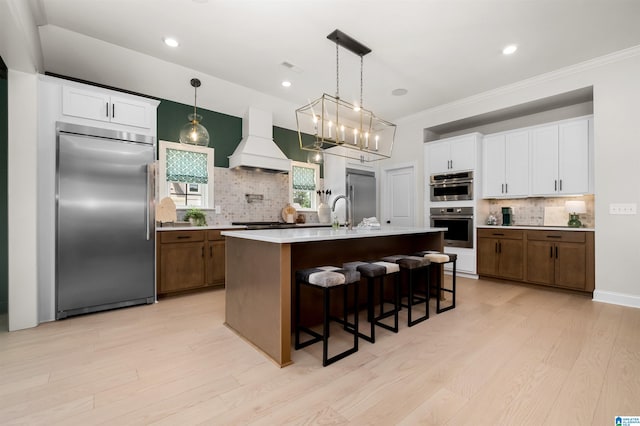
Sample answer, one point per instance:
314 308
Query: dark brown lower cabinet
562 259
501 253
189 259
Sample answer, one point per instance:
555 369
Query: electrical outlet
629 208
218 209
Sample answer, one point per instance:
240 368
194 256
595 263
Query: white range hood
257 150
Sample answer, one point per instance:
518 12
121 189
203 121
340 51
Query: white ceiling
439 50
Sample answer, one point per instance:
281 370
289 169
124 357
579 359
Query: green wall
225 131
4 252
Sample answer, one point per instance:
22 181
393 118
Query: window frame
314 198
163 187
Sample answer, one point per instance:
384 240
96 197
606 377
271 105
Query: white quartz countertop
536 228
301 235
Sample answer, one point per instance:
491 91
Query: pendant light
340 128
194 133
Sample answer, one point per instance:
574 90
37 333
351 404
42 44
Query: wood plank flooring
508 354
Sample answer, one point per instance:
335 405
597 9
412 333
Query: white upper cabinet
452 154
103 106
560 158
506 165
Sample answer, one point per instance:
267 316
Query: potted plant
196 217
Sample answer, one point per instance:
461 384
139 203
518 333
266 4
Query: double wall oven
451 196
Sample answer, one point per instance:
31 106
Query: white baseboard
616 298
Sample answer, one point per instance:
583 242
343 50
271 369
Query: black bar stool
440 259
413 265
373 271
327 278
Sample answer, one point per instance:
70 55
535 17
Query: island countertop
302 235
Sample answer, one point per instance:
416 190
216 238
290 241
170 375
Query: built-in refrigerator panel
104 218
361 185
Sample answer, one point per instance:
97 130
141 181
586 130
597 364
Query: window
304 179
185 173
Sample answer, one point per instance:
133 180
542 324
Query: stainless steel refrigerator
104 219
361 187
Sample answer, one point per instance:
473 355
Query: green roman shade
186 166
304 178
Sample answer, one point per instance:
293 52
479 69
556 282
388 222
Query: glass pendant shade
194 133
315 156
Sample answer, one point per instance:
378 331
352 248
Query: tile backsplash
268 195
530 211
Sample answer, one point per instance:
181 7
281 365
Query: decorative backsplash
530 211
250 196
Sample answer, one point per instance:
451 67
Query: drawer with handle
181 236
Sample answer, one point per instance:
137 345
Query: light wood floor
507 355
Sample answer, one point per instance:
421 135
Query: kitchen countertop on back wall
534 227
232 227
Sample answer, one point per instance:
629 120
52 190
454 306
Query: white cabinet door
560 159
438 155
493 153
130 112
544 160
85 104
452 155
573 157
97 105
516 164
463 153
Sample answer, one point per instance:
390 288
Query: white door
398 197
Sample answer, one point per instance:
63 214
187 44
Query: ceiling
438 50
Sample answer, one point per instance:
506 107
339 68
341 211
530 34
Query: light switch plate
628 208
218 209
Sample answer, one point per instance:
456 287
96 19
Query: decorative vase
324 213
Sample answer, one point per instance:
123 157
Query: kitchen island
261 265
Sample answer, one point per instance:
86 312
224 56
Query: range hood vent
257 150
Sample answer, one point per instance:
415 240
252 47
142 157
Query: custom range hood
257 150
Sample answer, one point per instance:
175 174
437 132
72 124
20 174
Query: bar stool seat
440 259
327 278
373 271
413 265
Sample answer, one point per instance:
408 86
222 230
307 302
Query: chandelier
194 133
340 128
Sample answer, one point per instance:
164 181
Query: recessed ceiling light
286 83
171 42
399 92
508 50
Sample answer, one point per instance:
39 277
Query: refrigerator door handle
150 196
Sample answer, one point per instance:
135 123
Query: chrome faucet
349 212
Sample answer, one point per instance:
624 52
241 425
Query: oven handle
450 182
451 217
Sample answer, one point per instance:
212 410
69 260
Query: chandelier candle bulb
377 138
366 140
342 131
330 125
355 136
